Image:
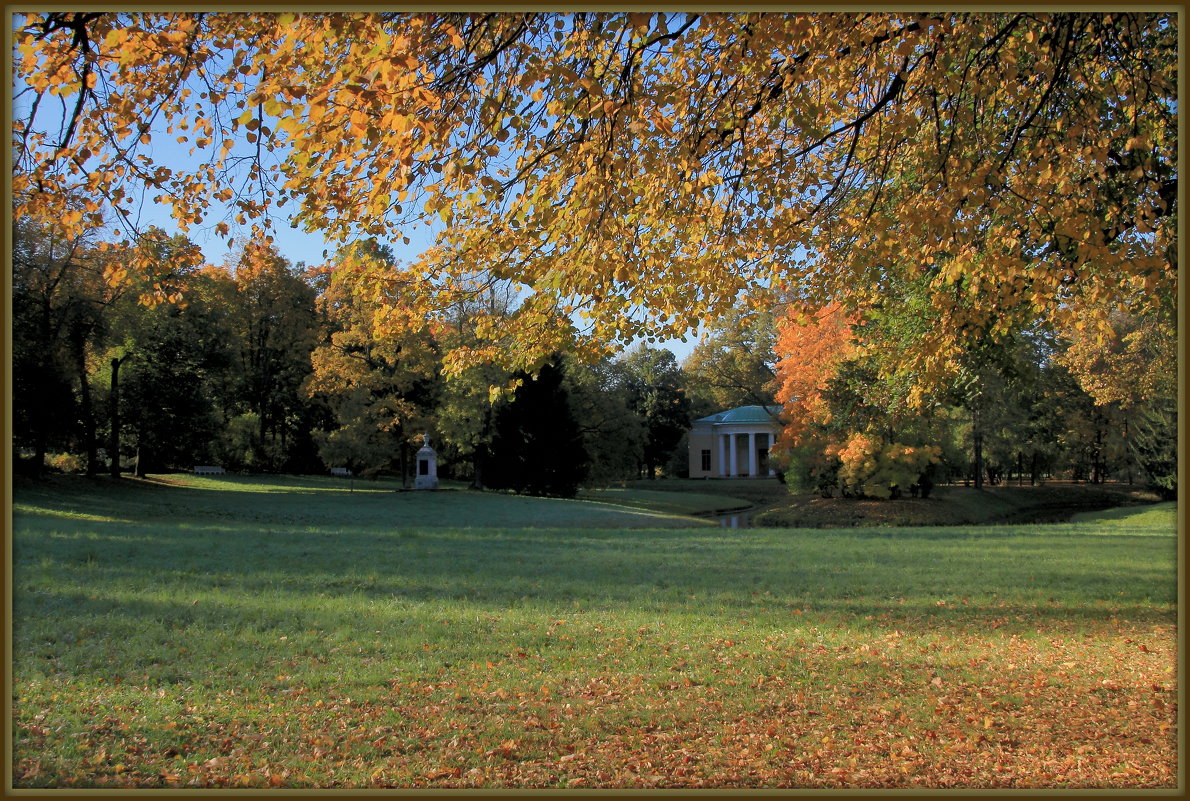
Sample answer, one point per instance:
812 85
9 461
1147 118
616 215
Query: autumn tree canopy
636 173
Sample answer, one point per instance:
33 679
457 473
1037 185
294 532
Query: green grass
668 501
1130 520
326 502
252 631
755 491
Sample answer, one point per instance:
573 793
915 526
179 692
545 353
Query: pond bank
956 506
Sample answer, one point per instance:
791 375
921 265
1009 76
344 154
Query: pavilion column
753 461
735 462
720 441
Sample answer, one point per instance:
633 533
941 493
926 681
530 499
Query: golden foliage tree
377 385
636 173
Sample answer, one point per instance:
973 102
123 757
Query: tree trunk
114 441
1097 458
477 466
262 429
978 460
39 449
1128 450
87 410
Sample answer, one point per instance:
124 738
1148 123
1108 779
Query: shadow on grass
193 589
235 576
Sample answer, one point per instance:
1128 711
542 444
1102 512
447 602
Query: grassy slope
679 503
252 632
756 492
953 506
319 501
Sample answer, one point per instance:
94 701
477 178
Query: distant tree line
125 358
261 365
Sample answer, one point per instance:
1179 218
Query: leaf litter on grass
589 659
820 708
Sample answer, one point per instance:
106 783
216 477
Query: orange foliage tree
821 350
813 345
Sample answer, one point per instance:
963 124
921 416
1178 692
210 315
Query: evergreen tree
537 448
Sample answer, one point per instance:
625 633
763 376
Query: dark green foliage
734 365
45 324
613 434
656 395
167 398
274 326
1152 438
537 448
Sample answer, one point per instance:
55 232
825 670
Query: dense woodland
262 365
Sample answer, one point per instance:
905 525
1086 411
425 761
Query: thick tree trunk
39 449
477 466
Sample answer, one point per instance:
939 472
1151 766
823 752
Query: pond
741 518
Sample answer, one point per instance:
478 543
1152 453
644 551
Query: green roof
744 414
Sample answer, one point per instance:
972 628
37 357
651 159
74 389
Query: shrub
1166 486
65 462
867 468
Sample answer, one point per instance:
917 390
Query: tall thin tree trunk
404 464
1128 455
114 440
1097 457
978 460
39 451
87 410
477 466
481 452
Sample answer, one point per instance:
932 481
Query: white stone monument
427 466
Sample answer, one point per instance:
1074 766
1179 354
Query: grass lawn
676 503
304 632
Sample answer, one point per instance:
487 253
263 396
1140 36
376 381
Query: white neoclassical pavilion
734 443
